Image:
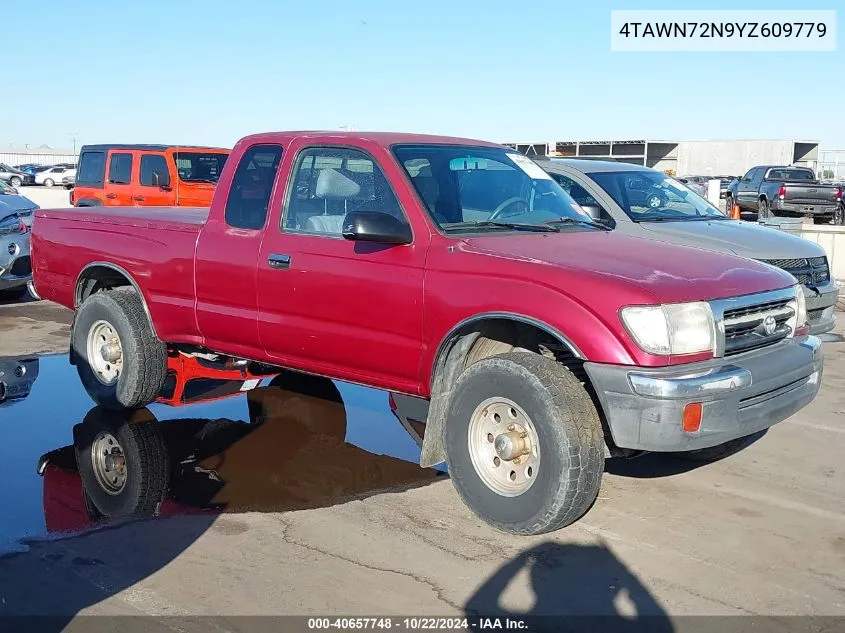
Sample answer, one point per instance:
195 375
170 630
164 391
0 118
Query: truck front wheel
121 363
524 443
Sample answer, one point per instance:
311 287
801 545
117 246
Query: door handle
279 262
138 198
111 196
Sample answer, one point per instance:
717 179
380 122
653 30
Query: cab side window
330 182
252 185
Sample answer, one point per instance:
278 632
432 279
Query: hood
746 239
607 261
13 203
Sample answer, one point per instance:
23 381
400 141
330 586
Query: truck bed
188 219
159 249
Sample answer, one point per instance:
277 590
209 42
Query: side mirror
161 179
593 211
369 226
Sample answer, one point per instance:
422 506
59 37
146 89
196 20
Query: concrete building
686 158
832 164
43 155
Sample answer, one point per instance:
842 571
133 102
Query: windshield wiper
590 223
517 226
679 218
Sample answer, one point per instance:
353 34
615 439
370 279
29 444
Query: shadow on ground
576 587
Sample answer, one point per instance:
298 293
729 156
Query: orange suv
147 175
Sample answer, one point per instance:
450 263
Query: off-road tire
147 462
144 356
569 434
839 215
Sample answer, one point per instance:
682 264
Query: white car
53 176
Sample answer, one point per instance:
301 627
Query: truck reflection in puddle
292 454
17 376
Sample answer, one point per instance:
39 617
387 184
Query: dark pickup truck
774 190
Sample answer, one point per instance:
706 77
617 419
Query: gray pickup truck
648 203
773 190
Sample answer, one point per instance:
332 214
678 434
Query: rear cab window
92 169
252 185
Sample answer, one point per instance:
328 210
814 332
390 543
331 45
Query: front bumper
15 265
740 395
821 307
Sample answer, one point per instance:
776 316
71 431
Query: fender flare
77 289
433 448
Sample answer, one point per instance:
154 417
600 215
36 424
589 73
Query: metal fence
41 158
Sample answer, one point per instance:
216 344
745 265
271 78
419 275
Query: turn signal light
692 417
782 192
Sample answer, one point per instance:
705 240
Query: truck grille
809 272
746 326
21 267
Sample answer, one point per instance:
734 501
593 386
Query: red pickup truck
450 269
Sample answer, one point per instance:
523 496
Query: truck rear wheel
121 363
524 443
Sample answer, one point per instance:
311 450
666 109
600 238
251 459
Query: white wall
730 158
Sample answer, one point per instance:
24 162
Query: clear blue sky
211 71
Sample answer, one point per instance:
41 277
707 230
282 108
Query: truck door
119 181
330 305
153 187
748 187
227 256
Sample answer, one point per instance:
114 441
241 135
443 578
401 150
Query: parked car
17 376
724 186
607 192
15 267
450 269
774 190
147 175
69 179
52 176
14 177
697 183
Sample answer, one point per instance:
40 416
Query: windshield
486 188
647 196
199 166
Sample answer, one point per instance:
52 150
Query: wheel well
490 337
481 339
97 279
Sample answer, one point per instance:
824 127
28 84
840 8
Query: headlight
680 328
801 307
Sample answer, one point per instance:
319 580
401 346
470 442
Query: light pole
73 136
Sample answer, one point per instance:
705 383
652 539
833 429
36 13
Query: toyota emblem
769 325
